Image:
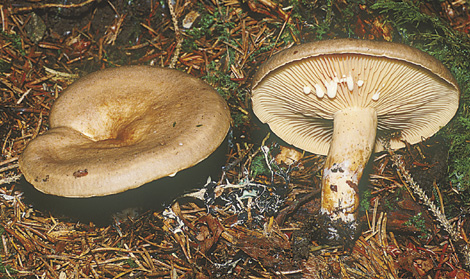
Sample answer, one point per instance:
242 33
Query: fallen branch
179 40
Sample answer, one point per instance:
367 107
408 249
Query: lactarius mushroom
340 98
117 129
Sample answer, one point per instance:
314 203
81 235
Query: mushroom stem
352 144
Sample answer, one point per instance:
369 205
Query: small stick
50 5
7 161
8 180
4 23
8 167
179 41
23 96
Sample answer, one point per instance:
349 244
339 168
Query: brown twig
50 5
179 39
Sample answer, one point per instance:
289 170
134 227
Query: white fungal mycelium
319 91
360 83
331 88
376 96
350 82
307 90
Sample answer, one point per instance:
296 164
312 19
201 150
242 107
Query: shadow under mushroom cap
119 128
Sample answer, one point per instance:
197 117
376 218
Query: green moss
217 77
15 40
203 29
131 263
227 88
365 200
418 222
258 166
209 25
390 203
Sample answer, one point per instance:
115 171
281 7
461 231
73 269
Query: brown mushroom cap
412 92
119 128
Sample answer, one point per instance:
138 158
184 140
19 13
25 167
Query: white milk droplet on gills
350 82
331 89
307 90
319 91
376 96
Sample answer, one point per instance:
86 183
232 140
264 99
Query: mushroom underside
408 98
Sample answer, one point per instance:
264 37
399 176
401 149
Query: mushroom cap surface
119 128
298 90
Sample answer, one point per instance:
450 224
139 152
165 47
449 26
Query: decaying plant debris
258 218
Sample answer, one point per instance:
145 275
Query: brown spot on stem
353 185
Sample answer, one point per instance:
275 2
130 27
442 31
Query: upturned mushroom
340 98
117 129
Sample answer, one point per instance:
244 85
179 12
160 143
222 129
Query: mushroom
117 129
373 90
